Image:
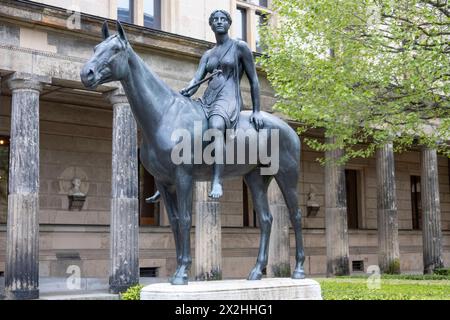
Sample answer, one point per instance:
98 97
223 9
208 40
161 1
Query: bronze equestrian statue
159 111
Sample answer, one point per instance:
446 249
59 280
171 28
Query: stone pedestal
124 247
22 249
336 216
431 212
279 261
387 221
265 289
208 235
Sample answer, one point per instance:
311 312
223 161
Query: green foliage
367 71
401 276
391 289
214 274
133 293
281 270
394 267
442 272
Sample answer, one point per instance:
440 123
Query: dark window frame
130 13
246 200
262 19
416 203
7 143
149 213
157 14
243 23
353 196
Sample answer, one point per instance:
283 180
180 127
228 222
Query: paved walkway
52 288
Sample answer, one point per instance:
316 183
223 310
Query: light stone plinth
265 289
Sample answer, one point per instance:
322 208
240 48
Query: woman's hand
257 120
186 93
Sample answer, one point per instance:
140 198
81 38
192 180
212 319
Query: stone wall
239 249
406 164
76 141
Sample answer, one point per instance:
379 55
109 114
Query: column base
120 288
21 294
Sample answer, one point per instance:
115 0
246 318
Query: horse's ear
105 30
121 32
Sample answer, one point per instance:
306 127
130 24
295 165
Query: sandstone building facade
44 44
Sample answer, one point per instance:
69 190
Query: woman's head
220 21
225 13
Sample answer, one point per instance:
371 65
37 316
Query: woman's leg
218 123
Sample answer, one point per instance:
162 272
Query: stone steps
80 296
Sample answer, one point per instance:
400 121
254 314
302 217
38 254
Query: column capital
19 80
116 96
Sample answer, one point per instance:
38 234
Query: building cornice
28 13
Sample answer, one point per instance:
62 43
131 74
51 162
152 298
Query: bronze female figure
222 100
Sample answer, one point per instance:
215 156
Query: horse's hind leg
258 186
287 181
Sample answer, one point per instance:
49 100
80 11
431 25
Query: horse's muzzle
88 76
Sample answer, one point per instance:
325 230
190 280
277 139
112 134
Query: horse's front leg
184 197
170 201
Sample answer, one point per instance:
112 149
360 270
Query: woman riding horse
160 112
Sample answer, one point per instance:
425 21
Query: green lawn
356 288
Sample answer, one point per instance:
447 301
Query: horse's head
110 59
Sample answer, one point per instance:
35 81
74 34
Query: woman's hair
211 17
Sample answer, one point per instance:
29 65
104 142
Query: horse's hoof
154 198
255 275
175 275
216 191
298 275
179 280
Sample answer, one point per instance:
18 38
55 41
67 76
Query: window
152 14
416 203
261 19
261 3
151 272
125 11
351 188
249 16
241 24
248 211
148 212
358 266
4 172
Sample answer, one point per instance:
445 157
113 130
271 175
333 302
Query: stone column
22 248
124 232
336 216
279 259
431 212
388 248
208 235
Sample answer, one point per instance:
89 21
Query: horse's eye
116 50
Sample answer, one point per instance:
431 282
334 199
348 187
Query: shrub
281 270
442 272
133 293
394 267
401 276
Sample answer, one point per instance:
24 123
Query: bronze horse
159 111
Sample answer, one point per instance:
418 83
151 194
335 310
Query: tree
366 71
